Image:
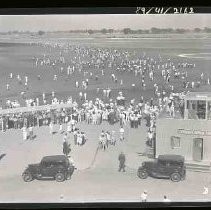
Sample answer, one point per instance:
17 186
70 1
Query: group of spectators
92 64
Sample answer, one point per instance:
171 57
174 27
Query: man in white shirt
144 196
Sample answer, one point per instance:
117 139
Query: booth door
197 149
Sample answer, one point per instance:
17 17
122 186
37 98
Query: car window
59 163
46 164
176 163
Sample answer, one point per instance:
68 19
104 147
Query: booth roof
198 96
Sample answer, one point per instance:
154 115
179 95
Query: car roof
54 158
176 158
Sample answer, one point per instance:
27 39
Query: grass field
17 58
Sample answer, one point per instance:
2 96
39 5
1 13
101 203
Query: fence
34 108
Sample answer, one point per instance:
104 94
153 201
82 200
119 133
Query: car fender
176 171
26 171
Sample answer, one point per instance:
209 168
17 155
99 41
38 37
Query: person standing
66 146
81 95
31 134
75 134
43 97
24 129
60 127
37 101
165 199
73 122
85 96
132 117
8 87
122 160
108 137
144 196
51 127
139 115
122 131
103 141
208 81
79 139
69 127
113 140
136 121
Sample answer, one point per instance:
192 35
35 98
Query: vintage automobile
57 167
165 166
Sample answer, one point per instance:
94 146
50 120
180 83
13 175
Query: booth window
196 109
201 109
209 110
175 142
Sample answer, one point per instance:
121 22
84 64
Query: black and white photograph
105 108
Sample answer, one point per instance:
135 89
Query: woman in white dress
79 139
60 127
51 128
69 127
24 129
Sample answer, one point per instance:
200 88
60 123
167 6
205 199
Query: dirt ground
100 182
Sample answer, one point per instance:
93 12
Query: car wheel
142 174
60 177
27 177
175 177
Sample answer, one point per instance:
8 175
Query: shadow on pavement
2 155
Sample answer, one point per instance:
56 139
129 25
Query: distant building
188 133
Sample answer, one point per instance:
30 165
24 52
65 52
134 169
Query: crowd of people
87 65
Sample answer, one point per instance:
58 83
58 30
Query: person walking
122 160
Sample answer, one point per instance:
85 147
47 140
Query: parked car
57 167
165 166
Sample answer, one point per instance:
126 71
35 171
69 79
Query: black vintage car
165 166
57 167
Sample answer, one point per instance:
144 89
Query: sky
115 21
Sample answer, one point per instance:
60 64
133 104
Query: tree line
153 30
